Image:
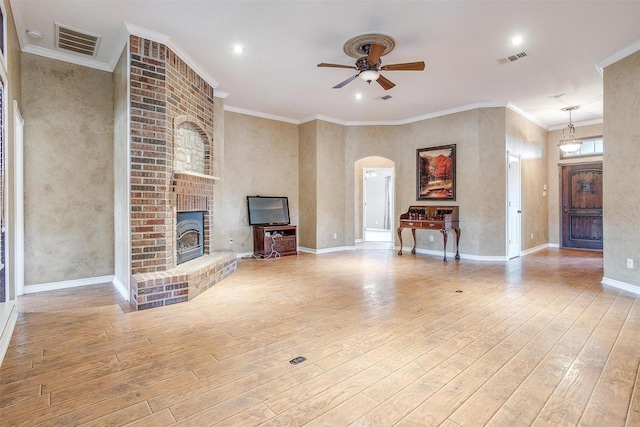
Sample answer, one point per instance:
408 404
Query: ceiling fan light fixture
369 75
569 143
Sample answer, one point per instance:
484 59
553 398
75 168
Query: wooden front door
582 206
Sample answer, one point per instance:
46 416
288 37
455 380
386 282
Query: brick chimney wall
165 91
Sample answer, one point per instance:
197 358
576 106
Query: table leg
413 233
445 235
457 230
400 238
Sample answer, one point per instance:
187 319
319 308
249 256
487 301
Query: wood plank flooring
388 340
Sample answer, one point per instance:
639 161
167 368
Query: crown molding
436 114
449 111
168 41
324 119
622 53
233 109
578 124
121 45
53 54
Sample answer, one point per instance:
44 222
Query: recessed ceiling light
358 96
34 34
238 48
517 40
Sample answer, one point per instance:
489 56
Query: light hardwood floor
388 340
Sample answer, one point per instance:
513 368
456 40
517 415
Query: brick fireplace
172 125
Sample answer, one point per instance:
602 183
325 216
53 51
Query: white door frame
514 212
18 192
364 197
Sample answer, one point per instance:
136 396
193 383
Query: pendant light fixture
569 143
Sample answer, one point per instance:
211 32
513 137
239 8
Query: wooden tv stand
281 238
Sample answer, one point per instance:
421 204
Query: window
3 35
593 146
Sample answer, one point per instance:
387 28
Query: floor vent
512 58
297 360
76 41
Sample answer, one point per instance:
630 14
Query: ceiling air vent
384 97
76 40
512 58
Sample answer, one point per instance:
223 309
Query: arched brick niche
192 147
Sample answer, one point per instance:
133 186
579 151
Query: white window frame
580 153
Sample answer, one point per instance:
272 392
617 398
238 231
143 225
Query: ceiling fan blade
349 80
409 66
375 52
324 64
385 83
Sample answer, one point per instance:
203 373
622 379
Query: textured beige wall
308 184
331 196
529 141
330 164
367 142
68 150
217 169
121 169
260 158
621 169
490 201
554 166
479 136
331 158
460 129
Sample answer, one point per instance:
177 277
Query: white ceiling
460 42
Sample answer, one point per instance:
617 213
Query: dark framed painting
436 173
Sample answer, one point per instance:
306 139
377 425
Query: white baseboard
554 245
451 255
52 286
535 249
121 288
7 328
240 255
327 250
621 285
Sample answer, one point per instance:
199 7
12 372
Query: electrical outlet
431 238
531 236
231 240
629 263
335 235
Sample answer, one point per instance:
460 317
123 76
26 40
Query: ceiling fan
368 67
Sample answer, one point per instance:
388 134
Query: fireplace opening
190 232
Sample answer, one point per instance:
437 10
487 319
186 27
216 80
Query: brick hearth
183 282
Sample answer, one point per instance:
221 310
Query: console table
441 218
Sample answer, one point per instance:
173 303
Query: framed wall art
436 173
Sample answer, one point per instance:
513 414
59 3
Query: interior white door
514 212
377 221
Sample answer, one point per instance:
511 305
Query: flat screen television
268 210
